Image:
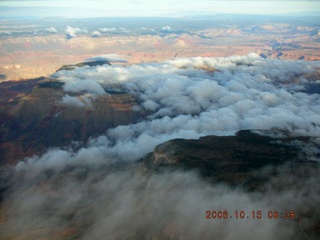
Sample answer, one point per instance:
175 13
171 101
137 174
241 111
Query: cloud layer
96 202
79 188
186 99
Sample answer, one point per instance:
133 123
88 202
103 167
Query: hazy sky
105 8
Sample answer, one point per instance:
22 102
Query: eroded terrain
37 50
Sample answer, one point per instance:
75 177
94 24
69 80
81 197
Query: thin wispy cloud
100 8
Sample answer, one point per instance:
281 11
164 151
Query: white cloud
108 29
124 29
80 101
166 28
52 30
96 33
87 85
72 31
244 92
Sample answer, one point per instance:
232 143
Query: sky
165 8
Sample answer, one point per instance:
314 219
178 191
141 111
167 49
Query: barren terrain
26 54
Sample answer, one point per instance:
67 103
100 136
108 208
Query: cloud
71 32
245 92
124 30
114 29
51 30
109 58
166 28
96 34
108 29
86 85
120 204
183 101
82 188
80 101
